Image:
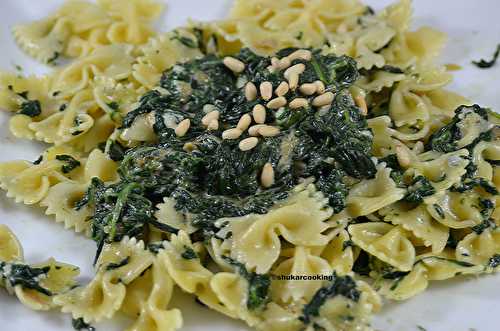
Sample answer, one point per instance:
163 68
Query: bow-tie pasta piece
443 171
444 265
301 221
61 202
370 195
342 304
167 214
383 143
455 210
185 268
406 286
162 52
112 61
10 248
118 265
45 39
486 151
375 81
303 263
57 278
339 253
147 299
398 15
62 199
418 47
34 285
386 242
277 318
233 292
480 248
408 105
422 225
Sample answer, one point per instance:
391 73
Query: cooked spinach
70 163
419 188
188 42
483 64
31 108
444 140
486 224
189 253
113 266
24 275
79 325
258 285
494 261
468 184
340 285
39 160
439 210
116 151
216 179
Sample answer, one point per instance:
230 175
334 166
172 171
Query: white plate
458 305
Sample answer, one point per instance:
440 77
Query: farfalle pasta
291 166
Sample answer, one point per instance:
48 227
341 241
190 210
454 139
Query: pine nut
402 156
293 81
323 100
182 128
320 87
361 103
259 114
269 131
302 54
282 89
275 62
213 125
284 63
244 122
295 69
248 143
254 129
213 115
234 64
308 88
250 91
231 133
266 90
267 175
276 103
298 103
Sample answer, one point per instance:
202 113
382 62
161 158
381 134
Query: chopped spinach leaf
445 139
419 188
39 160
70 163
53 59
80 325
113 266
188 42
340 285
116 151
189 253
439 210
31 108
258 285
483 64
24 275
494 261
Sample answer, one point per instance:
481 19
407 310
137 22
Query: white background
458 305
